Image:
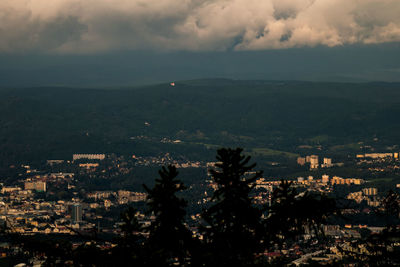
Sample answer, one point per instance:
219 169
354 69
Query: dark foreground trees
383 248
233 228
291 214
170 240
130 243
235 231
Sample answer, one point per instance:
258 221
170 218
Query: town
54 201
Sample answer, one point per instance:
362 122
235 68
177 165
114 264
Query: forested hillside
55 122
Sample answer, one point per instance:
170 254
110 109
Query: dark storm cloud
90 26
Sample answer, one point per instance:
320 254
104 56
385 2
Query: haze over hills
55 122
351 63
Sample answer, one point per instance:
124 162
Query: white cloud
89 26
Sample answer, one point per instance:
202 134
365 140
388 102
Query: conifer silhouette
233 223
380 249
169 238
130 243
292 214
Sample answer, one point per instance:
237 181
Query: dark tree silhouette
383 248
233 223
131 226
292 214
169 239
380 249
391 207
130 243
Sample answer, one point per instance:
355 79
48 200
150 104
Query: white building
379 155
88 156
37 186
325 178
372 191
76 213
327 163
314 162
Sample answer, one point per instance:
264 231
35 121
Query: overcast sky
36 35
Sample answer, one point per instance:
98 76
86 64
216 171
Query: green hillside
39 123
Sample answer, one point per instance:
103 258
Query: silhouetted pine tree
130 244
391 206
281 223
383 248
232 234
292 214
169 239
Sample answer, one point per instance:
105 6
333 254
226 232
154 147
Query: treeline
232 231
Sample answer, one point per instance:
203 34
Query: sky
123 42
